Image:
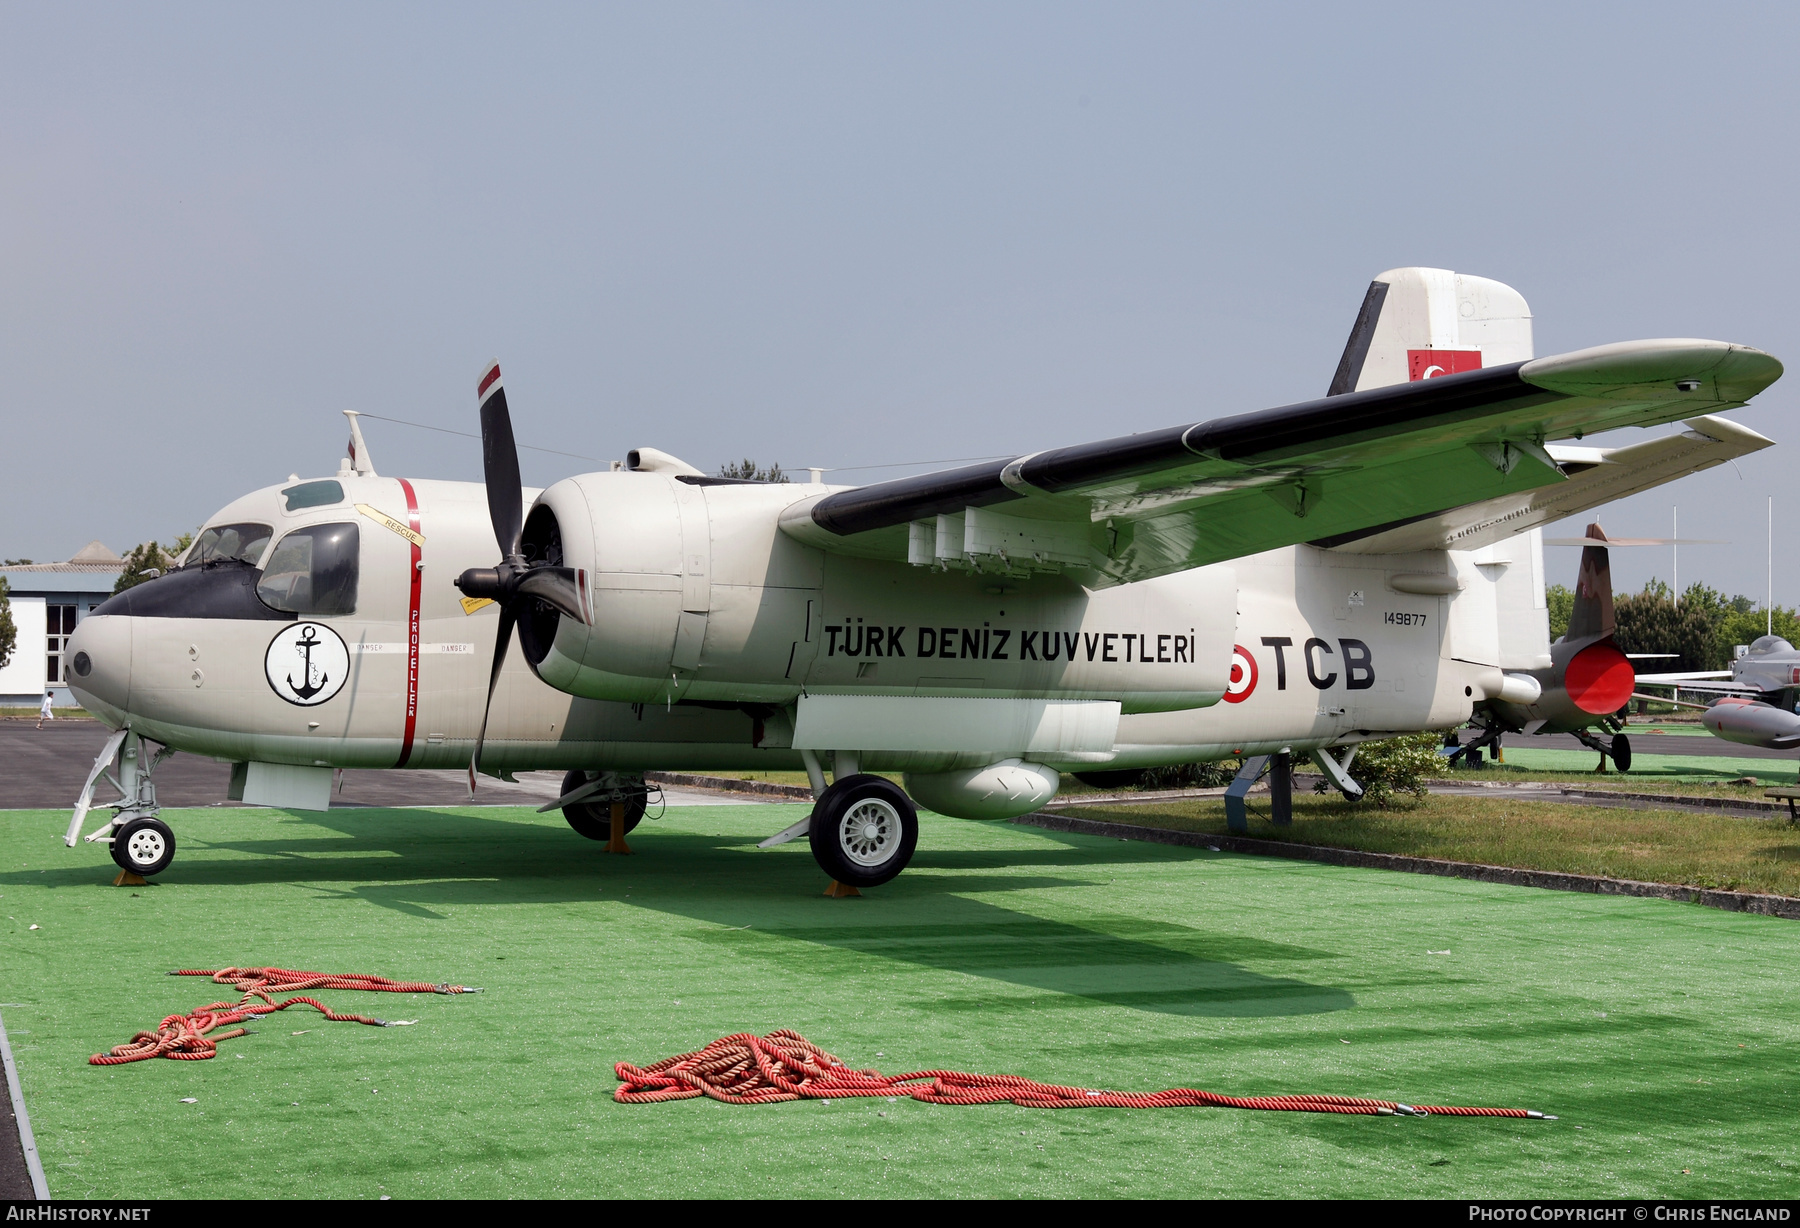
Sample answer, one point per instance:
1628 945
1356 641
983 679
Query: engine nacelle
697 594
1001 790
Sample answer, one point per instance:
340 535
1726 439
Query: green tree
9 631
1744 626
1651 622
145 562
1562 604
748 470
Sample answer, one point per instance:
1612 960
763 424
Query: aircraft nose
99 669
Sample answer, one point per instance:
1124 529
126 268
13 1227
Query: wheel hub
870 832
144 847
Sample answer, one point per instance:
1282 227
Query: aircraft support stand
1281 789
615 835
1237 814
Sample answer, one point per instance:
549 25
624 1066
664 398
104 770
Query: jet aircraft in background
1756 702
1589 681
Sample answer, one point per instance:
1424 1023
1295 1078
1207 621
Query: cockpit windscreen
231 541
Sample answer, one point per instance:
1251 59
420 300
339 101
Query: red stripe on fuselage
412 628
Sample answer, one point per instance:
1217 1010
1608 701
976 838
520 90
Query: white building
48 599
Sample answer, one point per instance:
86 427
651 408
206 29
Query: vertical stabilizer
1592 616
1421 323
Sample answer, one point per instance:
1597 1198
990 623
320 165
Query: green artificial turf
1663 1034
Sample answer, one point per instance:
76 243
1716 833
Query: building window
59 623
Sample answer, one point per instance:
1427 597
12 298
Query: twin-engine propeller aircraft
1275 583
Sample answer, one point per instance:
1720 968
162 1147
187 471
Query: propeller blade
500 462
502 639
556 586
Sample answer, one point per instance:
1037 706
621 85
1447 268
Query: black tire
594 819
1621 752
883 840
144 846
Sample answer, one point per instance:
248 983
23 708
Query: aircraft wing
1684 679
1330 471
1593 476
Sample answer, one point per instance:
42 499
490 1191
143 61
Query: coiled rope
784 1065
185 1038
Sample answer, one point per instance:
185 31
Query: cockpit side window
231 541
312 571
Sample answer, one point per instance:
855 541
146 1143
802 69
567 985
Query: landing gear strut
139 841
1618 749
1470 755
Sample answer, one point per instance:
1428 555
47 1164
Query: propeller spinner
515 584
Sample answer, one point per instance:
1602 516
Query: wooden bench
1789 796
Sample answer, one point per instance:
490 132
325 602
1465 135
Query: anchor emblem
309 638
324 662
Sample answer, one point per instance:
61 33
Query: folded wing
1456 451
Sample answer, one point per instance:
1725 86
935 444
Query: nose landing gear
139 841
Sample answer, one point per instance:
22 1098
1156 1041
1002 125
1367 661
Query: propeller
515 584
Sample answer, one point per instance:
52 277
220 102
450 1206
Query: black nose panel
222 589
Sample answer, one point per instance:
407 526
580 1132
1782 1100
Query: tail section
1422 323
1592 616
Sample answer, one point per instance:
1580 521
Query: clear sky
842 235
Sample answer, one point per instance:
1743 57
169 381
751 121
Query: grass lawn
1667 1036
1736 852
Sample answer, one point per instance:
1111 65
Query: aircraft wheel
594 819
144 846
1621 752
864 829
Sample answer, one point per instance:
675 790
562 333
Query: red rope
184 1038
784 1065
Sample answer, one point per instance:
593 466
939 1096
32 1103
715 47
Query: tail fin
1419 323
1592 616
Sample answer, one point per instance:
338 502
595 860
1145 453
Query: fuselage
384 664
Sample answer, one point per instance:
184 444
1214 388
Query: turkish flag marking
1429 364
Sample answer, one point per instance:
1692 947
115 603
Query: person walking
44 713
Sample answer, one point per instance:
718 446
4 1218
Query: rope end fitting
1407 1110
1540 1116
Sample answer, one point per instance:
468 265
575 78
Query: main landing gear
1617 748
587 802
863 831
